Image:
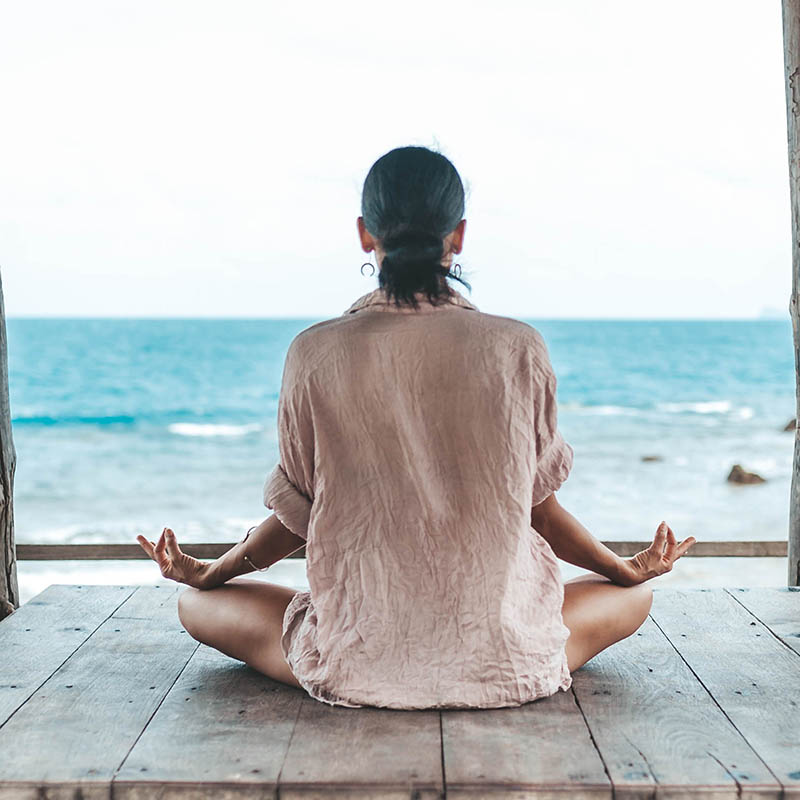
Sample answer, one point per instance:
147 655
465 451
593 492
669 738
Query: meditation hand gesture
174 563
658 558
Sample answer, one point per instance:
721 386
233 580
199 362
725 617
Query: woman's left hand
658 558
173 562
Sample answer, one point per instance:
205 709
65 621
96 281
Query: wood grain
381 753
778 608
73 733
222 731
791 69
541 750
756 548
9 587
37 638
658 730
753 677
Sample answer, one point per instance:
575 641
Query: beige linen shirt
413 444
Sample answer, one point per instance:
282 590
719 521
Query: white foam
707 407
603 410
208 429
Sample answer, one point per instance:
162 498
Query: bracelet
245 557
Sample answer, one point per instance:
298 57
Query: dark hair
412 198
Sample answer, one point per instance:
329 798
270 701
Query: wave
604 410
209 429
707 407
43 419
701 407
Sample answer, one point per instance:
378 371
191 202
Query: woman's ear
367 242
457 237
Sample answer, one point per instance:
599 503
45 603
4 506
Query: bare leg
600 613
243 619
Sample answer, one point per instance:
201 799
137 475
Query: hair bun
405 237
413 241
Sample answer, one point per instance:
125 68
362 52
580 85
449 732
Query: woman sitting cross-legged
419 456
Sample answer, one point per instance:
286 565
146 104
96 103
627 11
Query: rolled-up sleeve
554 456
289 487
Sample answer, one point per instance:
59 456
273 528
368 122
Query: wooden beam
9 590
120 552
131 552
791 62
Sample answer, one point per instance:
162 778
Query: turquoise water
124 426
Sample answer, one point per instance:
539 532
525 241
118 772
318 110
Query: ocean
124 426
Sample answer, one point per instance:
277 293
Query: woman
419 459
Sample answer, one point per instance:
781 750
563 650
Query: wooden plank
541 750
753 677
778 608
222 732
72 734
385 753
775 548
42 633
658 730
159 602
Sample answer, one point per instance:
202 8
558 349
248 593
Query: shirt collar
377 300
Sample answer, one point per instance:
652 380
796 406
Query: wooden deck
103 694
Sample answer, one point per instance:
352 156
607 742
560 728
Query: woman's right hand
174 563
658 558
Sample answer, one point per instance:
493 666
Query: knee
187 609
642 601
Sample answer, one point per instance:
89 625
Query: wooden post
791 62
9 590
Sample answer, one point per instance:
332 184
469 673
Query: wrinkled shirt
413 445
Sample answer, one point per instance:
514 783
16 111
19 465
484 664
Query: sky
205 159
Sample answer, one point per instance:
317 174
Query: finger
671 542
172 544
658 540
146 546
684 546
160 551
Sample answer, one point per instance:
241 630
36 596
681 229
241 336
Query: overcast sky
622 158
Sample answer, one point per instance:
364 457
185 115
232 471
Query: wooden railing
131 552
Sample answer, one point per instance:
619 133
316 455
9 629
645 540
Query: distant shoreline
37 318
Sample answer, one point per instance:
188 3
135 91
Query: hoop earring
368 263
453 270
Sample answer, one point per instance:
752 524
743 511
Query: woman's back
413 444
418 443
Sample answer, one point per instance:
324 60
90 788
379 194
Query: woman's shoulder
310 346
314 342
515 329
527 342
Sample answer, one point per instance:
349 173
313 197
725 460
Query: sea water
124 426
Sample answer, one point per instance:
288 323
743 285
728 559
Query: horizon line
755 318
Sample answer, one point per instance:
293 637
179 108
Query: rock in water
652 458
791 424
739 475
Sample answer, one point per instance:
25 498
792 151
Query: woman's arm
269 542
572 543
